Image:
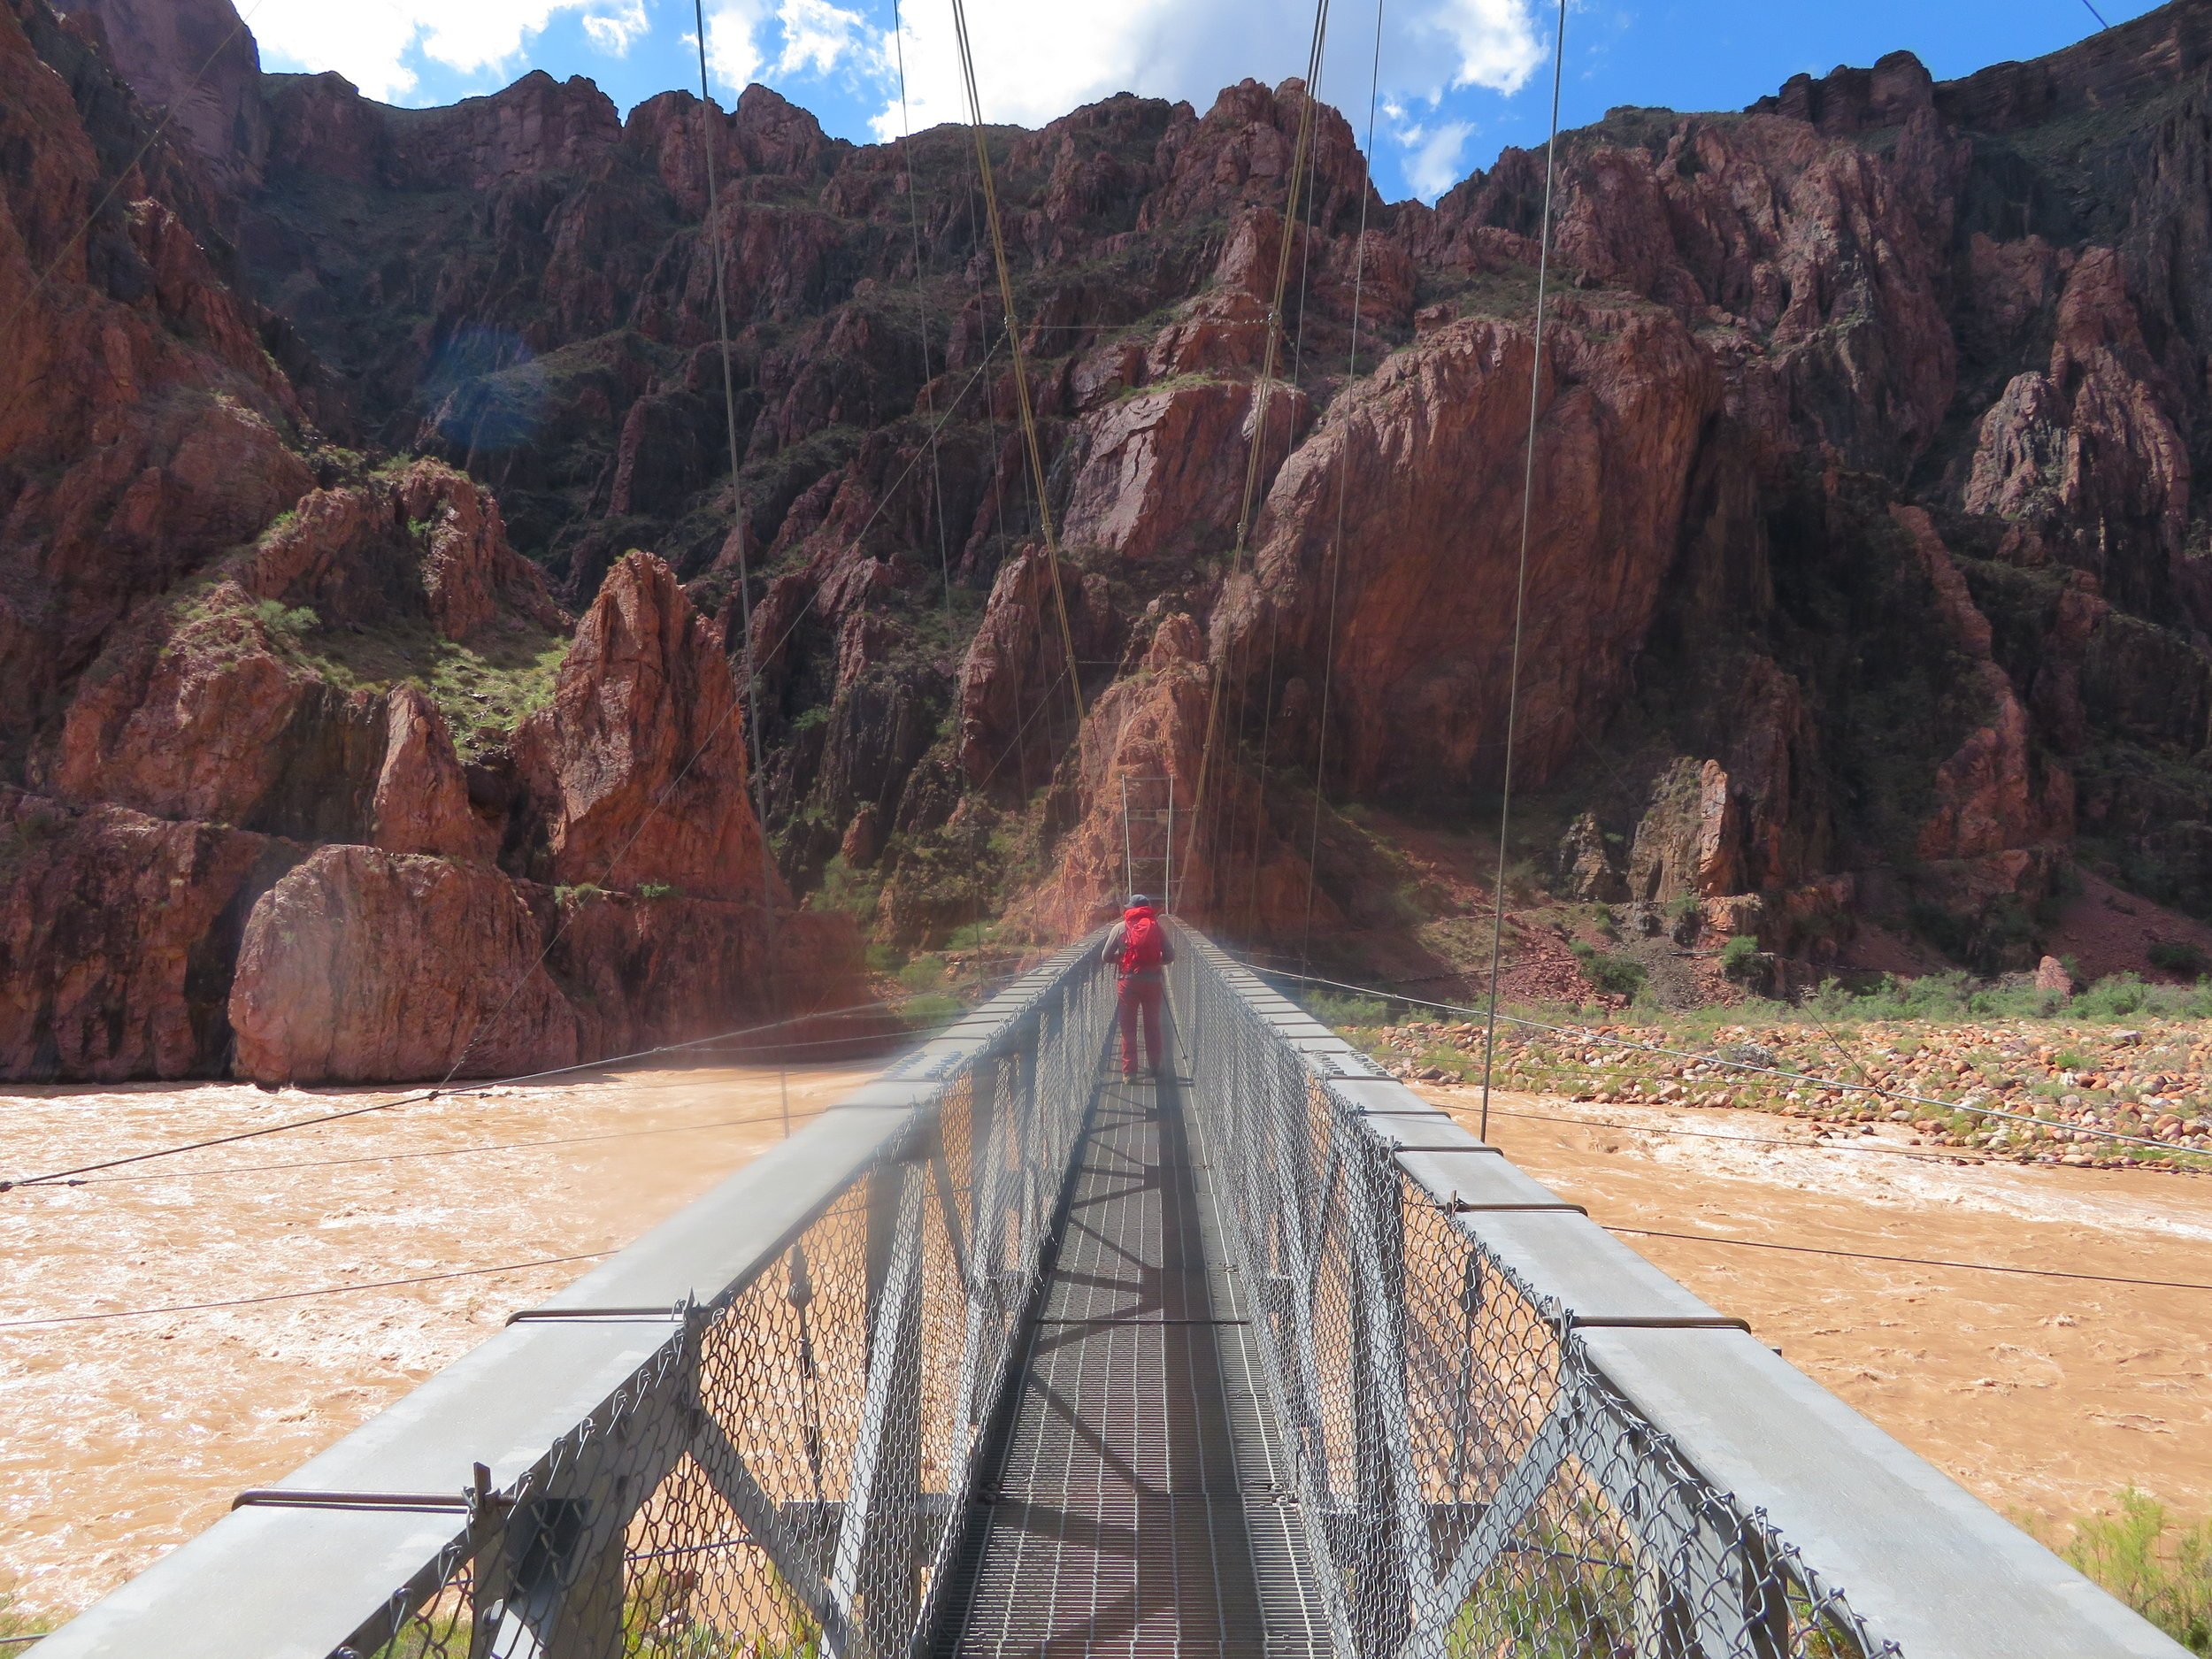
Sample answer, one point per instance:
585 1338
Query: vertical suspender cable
929 402
1290 441
1021 367
1520 579
1249 507
737 505
772 975
1343 466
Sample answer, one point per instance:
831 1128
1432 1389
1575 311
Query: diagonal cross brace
890 1353
725 1466
1385 1363
1517 1495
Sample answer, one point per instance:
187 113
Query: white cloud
1033 64
791 39
615 32
369 42
1028 73
820 37
1432 165
734 55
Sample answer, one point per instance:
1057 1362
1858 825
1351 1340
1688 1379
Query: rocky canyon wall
307 775
1865 570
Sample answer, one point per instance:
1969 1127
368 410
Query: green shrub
2175 956
1346 1011
1737 955
2115 996
1453 1063
1616 976
658 890
2168 1581
969 936
278 620
924 974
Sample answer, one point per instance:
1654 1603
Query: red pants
1140 993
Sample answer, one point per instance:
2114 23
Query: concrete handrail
1927 1565
302 1578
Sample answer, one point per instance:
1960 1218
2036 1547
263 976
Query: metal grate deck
1136 1510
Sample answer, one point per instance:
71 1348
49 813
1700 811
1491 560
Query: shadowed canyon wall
1866 574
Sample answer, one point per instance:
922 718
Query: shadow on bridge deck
1137 1503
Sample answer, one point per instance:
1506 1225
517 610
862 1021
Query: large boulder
362 965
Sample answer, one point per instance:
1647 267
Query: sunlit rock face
366 522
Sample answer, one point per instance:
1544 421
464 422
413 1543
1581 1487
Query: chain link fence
757 1432
1473 1482
789 1472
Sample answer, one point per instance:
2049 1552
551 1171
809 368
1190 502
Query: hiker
1138 947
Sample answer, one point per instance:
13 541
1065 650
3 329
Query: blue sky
1459 78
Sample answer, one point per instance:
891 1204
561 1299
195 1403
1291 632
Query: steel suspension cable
1261 388
746 699
1909 1261
1013 335
420 1096
1343 478
751 698
298 1295
929 407
653 808
713 236
1290 440
1520 579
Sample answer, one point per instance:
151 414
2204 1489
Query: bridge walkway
1136 1501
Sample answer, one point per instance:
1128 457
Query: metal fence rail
749 1433
757 1430
1512 1435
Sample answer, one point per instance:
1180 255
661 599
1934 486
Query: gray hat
1137 899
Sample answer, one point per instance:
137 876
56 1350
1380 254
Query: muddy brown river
118 1437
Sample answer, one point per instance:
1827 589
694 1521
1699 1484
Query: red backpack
1142 943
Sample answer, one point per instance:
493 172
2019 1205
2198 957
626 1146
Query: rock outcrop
639 763
1422 581
1689 844
117 933
422 796
1864 553
363 965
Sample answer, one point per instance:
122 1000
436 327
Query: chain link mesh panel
1473 1483
786 1477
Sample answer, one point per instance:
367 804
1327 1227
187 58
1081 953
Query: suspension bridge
1007 1354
